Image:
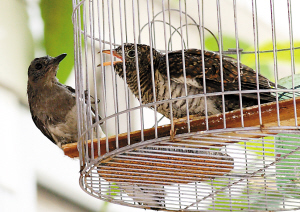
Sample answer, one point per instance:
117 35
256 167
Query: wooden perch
233 120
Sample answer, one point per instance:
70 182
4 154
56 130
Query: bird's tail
288 95
99 131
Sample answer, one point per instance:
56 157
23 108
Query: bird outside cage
223 152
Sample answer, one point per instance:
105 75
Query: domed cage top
202 116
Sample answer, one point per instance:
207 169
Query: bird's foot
262 127
177 121
172 134
173 130
93 101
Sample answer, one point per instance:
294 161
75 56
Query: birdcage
160 153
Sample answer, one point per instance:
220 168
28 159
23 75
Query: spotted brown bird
194 79
52 104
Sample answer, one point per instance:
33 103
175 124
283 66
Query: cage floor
253 174
251 168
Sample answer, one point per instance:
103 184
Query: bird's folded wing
193 68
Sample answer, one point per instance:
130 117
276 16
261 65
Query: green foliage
247 59
228 43
281 55
104 207
114 190
225 203
261 147
58 29
266 60
237 200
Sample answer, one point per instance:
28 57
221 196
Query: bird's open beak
59 58
115 54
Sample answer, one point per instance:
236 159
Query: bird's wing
72 90
39 124
194 74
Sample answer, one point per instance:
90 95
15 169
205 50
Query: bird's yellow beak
115 54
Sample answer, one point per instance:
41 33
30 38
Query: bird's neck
146 83
36 90
142 80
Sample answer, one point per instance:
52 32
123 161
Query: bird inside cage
187 79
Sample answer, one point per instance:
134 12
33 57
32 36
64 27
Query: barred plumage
194 80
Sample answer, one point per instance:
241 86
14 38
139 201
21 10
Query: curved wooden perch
233 120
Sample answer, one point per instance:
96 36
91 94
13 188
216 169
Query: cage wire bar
247 159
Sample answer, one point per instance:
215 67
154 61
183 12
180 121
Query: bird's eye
131 53
38 66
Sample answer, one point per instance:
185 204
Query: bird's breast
191 82
65 131
178 89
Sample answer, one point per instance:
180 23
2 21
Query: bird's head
130 54
43 70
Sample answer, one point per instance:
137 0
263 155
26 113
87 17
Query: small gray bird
54 112
52 104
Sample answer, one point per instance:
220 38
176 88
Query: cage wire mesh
245 159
